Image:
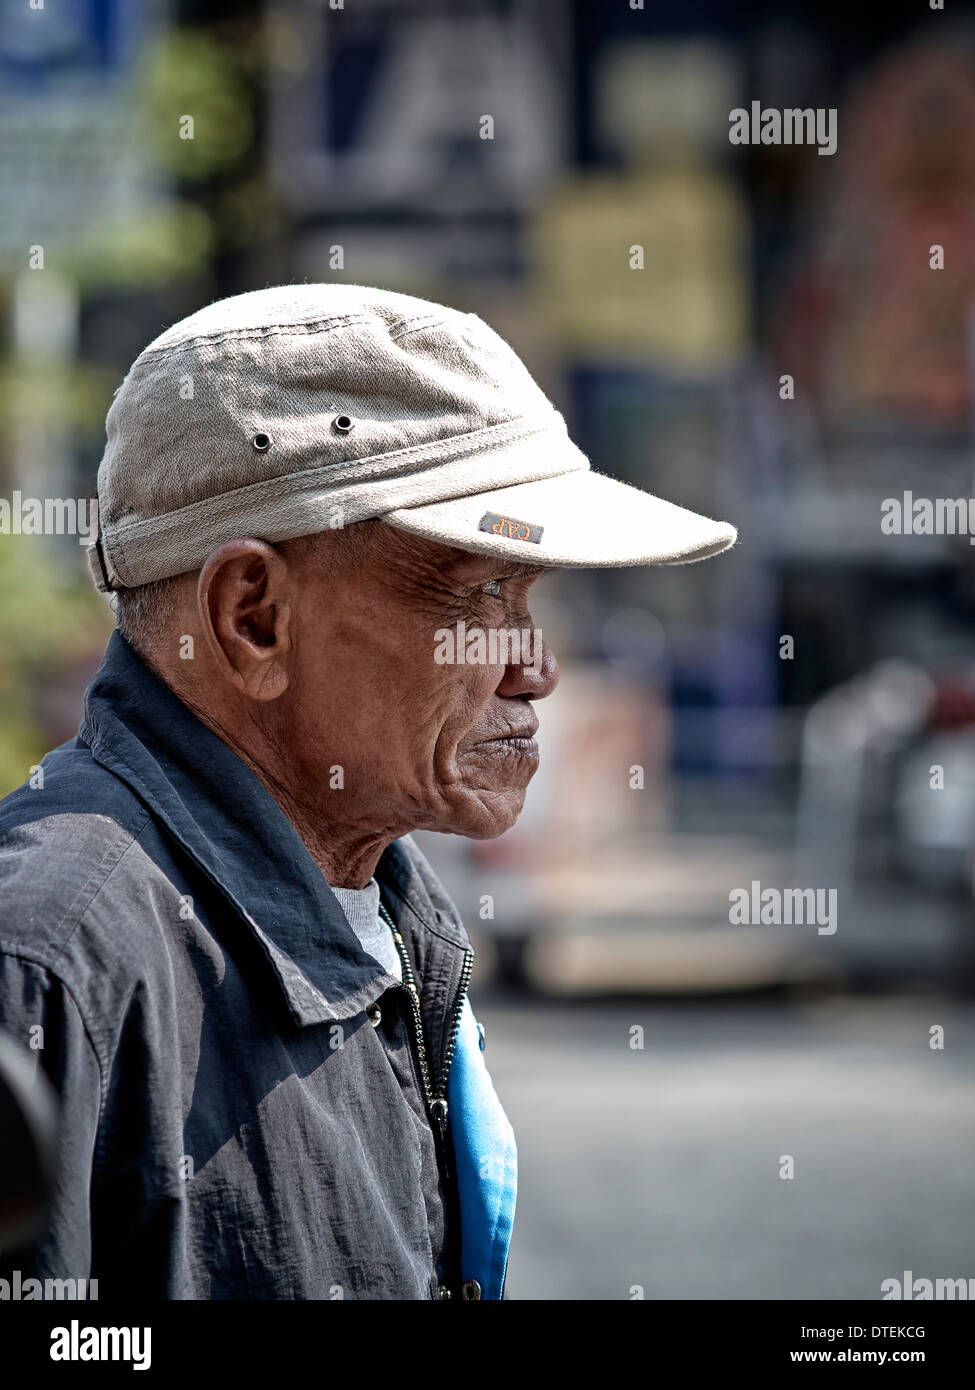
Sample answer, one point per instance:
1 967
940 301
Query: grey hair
144 614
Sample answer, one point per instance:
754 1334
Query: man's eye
493 586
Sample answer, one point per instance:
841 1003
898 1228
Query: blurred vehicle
887 809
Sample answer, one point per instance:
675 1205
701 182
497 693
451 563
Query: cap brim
582 518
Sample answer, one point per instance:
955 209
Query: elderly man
239 971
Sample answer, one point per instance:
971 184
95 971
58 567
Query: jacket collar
219 811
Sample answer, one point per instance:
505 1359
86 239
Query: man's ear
244 605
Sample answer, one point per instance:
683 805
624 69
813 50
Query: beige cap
292 410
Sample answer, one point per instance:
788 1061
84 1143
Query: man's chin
487 813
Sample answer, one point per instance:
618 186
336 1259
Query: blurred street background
764 333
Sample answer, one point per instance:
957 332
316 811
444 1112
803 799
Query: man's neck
347 853
346 856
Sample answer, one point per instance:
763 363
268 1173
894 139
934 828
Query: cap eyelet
261 442
343 423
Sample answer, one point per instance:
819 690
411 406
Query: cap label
510 527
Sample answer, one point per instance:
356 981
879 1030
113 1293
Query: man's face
424 740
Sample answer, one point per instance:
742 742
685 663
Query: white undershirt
361 907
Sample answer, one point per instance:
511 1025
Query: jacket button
471 1290
375 1015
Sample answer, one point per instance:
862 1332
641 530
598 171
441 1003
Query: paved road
660 1167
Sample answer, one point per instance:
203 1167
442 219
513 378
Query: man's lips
519 740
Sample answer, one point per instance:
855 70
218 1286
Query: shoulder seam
113 854
18 952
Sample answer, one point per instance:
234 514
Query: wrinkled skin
303 666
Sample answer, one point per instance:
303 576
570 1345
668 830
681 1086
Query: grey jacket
244 1107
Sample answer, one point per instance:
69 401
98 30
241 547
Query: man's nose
532 680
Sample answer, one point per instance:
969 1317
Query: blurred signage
664 99
882 287
377 106
651 266
67 153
